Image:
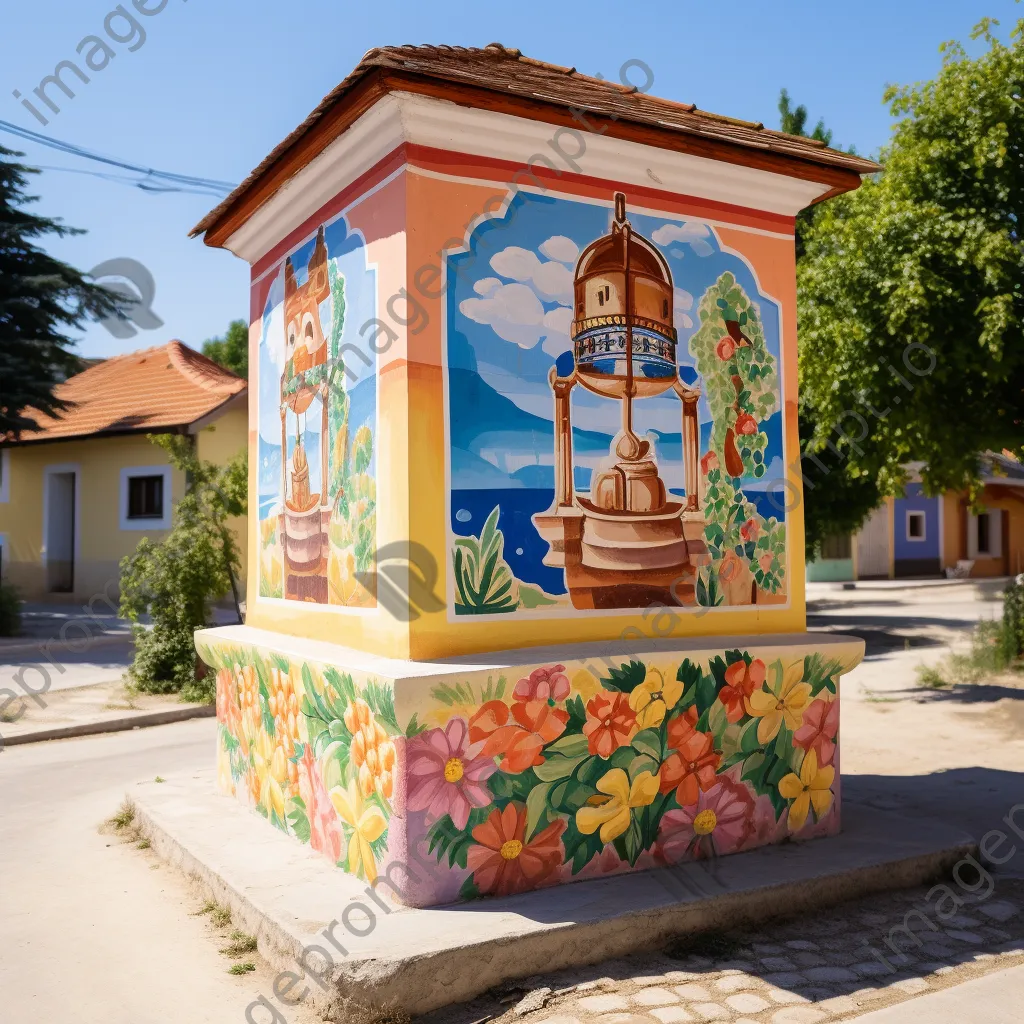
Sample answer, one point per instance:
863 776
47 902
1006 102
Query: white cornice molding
441 124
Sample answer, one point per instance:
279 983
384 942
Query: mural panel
317 423
615 415
484 783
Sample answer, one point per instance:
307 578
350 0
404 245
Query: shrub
10 611
175 580
1013 620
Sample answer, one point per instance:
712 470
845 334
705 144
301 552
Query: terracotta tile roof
500 69
157 389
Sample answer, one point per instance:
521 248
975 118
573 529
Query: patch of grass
388 1013
143 844
124 817
987 657
240 944
220 916
159 778
247 968
711 944
931 678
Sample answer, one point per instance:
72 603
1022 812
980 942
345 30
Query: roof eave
368 84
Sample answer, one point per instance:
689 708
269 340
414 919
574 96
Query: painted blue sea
524 549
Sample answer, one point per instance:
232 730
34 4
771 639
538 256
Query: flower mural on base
565 773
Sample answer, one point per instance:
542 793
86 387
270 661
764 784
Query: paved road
92 930
902 627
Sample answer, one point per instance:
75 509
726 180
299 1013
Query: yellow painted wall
101 543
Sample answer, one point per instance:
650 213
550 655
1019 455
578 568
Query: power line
153 180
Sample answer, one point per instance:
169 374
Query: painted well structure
526 597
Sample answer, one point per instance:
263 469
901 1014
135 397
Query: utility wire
152 180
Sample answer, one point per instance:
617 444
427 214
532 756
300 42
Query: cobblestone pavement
831 966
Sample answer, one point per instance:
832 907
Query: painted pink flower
324 829
765 561
446 774
708 462
750 529
820 725
549 683
719 822
725 349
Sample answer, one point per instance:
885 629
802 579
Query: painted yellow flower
271 771
224 780
610 811
812 788
784 700
652 699
368 825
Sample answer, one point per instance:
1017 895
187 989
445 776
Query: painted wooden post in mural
572 393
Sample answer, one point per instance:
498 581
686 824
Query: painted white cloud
551 280
682 299
486 285
515 311
557 322
691 233
560 248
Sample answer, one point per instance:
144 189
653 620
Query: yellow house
79 493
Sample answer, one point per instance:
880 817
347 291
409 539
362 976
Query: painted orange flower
518 733
503 862
741 680
229 712
610 724
692 767
371 751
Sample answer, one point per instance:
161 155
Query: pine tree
41 300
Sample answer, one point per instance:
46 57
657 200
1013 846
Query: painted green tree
741 384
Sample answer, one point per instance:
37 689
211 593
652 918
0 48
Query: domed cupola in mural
624 544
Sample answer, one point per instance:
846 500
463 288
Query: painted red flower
708 462
818 732
726 348
518 734
765 561
693 765
547 683
746 424
610 723
503 862
750 529
741 680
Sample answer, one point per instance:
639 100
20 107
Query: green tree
231 351
794 121
41 300
911 295
176 580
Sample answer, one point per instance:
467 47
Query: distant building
916 536
79 493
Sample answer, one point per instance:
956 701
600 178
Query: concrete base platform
347 944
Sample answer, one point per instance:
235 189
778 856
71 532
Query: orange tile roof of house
155 390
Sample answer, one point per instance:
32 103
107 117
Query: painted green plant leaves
484 583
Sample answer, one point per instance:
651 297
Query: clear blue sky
218 83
